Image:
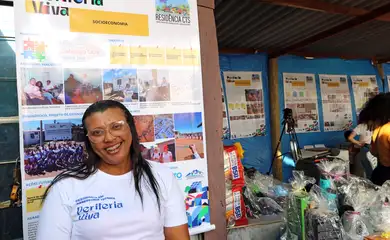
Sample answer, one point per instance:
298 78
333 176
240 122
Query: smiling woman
115 193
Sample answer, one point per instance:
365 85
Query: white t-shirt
107 207
166 156
364 134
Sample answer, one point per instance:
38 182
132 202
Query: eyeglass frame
122 122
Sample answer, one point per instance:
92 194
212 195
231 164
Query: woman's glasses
115 129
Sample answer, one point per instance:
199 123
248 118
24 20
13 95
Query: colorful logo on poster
178 175
173 12
195 174
53 7
197 204
34 50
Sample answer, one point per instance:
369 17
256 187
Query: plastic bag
234 171
322 223
296 206
380 212
359 195
235 208
333 174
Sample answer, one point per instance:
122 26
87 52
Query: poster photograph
336 102
364 87
300 95
67 60
245 101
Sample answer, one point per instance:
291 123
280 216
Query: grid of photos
171 137
51 146
58 86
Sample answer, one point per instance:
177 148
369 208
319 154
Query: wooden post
213 118
275 115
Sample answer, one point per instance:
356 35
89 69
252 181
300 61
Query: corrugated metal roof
267 27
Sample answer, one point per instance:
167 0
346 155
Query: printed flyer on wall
245 101
225 122
364 87
336 102
144 54
300 95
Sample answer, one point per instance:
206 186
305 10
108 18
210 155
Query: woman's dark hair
39 84
140 167
376 111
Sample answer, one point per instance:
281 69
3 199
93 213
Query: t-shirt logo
92 207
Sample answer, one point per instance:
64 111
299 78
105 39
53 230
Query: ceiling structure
349 29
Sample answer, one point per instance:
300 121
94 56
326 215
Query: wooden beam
329 55
335 30
213 119
237 50
326 7
273 83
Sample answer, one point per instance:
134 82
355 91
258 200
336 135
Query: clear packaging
359 195
296 206
333 175
322 223
380 212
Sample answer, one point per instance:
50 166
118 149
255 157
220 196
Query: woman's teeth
113 149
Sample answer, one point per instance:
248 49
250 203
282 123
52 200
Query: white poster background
245 101
47 49
300 95
225 122
388 83
364 87
336 102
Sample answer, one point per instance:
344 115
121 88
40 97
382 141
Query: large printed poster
364 87
300 95
245 101
145 54
336 102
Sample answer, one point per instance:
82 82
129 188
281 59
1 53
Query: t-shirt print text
90 207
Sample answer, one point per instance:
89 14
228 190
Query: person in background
115 193
363 163
376 115
166 156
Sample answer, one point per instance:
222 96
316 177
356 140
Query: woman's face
113 150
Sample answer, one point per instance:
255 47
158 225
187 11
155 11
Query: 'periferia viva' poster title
57 7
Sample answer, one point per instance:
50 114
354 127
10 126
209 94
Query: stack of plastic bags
322 221
234 179
262 196
358 196
380 214
297 204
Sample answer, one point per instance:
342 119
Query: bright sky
109 74
188 122
33 125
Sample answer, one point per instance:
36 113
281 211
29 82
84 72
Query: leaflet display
364 87
145 54
245 101
300 95
336 102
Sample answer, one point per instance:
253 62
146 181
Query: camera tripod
289 128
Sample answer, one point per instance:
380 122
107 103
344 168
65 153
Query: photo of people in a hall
51 146
83 86
120 85
42 86
153 85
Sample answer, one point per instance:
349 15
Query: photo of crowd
120 85
145 128
82 86
189 136
153 85
162 151
253 95
52 146
42 86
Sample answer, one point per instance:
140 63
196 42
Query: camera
287 114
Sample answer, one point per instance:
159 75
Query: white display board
245 101
364 87
300 95
336 102
145 54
